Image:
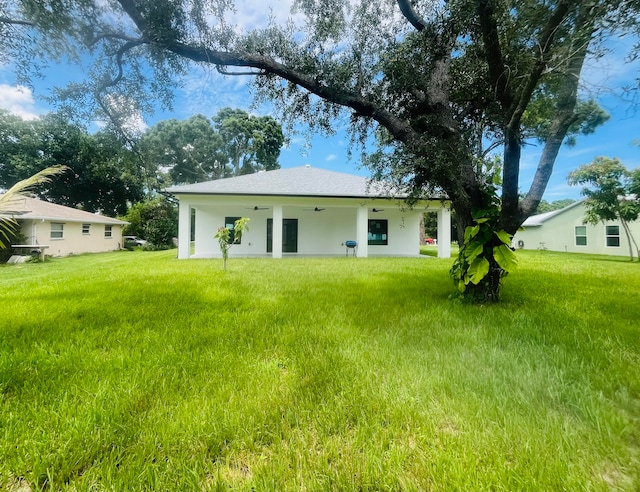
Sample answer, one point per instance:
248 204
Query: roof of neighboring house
296 181
34 209
538 220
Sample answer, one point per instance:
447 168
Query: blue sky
206 91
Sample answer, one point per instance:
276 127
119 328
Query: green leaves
505 257
223 235
231 143
477 271
486 255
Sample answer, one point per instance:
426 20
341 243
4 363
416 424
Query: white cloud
18 100
331 157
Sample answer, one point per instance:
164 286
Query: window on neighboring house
86 229
581 235
108 231
230 223
378 232
57 230
613 236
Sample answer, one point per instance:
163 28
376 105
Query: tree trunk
488 289
482 234
630 239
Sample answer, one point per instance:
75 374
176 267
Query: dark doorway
289 235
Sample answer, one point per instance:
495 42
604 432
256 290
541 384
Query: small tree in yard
226 239
613 194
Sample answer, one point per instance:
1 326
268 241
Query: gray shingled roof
297 181
34 209
538 220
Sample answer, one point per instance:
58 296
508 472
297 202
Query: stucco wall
558 234
319 232
73 241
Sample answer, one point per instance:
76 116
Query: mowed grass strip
133 370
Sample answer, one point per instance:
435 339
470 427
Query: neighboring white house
66 230
304 211
565 230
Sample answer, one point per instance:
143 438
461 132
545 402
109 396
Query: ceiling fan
316 209
257 208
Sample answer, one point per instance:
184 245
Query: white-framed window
613 236
108 231
57 230
581 235
86 229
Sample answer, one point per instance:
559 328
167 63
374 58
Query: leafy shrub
155 220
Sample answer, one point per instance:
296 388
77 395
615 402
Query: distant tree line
115 177
103 175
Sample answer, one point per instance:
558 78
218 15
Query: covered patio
306 212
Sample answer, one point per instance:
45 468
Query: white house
565 230
304 211
65 230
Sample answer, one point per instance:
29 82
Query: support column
276 233
362 232
184 230
444 232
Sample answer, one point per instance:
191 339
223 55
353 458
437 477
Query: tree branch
398 127
17 22
516 104
565 116
545 42
224 71
120 37
498 71
119 55
135 15
411 15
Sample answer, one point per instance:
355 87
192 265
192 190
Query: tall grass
136 371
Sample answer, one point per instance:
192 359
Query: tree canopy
440 84
102 175
233 142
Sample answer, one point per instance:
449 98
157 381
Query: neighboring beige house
565 230
304 211
66 230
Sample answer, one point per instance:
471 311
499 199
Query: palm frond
10 199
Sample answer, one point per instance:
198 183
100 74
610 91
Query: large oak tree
438 82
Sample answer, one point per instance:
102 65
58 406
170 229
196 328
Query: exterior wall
319 232
558 234
73 240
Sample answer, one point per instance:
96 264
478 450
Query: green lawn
136 371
